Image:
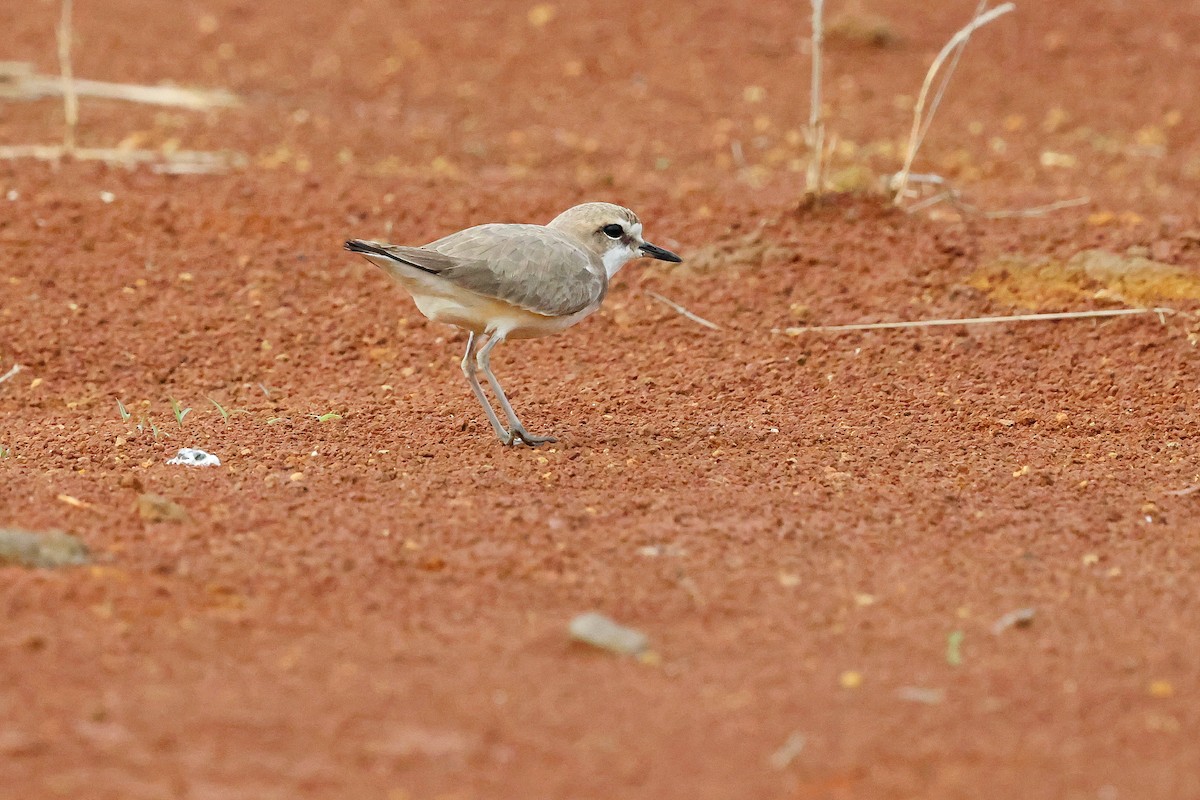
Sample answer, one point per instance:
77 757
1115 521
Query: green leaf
179 412
221 409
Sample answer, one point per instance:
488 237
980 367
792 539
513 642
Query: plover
512 281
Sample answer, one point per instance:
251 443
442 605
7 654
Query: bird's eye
613 231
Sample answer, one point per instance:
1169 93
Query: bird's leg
516 429
468 368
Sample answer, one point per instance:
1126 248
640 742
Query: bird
502 281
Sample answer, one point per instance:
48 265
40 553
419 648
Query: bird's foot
525 437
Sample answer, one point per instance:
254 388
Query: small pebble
920 694
599 631
787 753
1021 618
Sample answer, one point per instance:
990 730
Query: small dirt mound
1088 275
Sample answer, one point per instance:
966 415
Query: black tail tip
353 245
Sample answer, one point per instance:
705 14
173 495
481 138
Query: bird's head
612 232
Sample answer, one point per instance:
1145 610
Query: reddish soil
808 528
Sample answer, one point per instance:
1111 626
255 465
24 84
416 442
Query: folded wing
531 267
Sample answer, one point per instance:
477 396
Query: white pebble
191 457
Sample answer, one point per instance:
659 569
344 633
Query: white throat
616 258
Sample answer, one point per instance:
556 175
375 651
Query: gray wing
530 266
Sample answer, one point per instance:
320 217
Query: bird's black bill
654 251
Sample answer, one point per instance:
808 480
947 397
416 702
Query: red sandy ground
376 605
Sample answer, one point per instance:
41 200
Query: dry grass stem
67 80
8 375
180 162
932 323
954 197
684 312
1185 491
814 177
920 123
944 83
18 81
1036 211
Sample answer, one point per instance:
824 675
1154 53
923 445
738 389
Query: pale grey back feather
532 267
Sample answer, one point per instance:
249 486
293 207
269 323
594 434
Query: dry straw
814 177
683 312
11 373
921 122
19 82
932 323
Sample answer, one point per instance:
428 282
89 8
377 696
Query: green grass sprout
954 648
179 412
